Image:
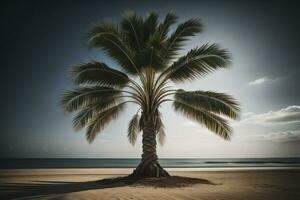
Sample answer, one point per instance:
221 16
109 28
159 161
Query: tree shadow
39 189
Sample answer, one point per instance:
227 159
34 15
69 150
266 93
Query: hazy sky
41 41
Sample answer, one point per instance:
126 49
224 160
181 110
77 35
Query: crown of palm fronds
147 54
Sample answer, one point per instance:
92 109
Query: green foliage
73 100
132 26
85 115
102 119
108 37
218 103
164 27
160 127
146 49
182 33
133 129
199 62
99 74
211 121
161 136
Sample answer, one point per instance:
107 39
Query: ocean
131 162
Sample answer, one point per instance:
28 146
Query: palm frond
158 44
144 38
98 123
160 128
85 115
161 135
154 54
150 25
218 103
164 27
108 37
132 26
99 74
199 62
182 33
133 129
211 121
81 97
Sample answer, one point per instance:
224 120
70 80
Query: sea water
132 162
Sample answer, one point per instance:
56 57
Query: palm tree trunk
149 165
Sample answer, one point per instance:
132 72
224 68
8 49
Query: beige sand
212 185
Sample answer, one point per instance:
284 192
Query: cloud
289 114
261 81
280 136
275 126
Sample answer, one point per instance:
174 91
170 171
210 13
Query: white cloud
289 114
261 81
280 136
256 131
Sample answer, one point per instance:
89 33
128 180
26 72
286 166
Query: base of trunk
152 169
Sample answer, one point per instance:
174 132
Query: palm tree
146 51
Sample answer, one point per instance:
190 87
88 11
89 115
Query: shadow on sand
40 189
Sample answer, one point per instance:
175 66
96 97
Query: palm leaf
100 74
161 135
98 123
143 36
211 121
164 27
160 128
199 62
182 33
82 118
73 100
132 26
218 103
133 129
108 37
150 26
155 53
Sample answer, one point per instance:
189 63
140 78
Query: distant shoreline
168 163
181 169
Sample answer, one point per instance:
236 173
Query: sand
72 184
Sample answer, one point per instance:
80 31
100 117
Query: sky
41 41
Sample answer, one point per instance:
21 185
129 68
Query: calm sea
129 163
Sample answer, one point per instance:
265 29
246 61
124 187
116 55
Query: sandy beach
188 184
